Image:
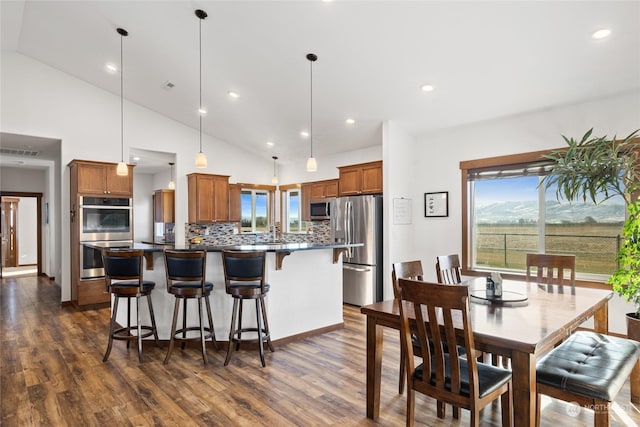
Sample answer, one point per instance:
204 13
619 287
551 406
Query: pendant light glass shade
201 159
172 184
312 165
274 180
122 169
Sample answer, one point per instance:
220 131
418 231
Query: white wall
41 101
328 165
39 177
398 184
27 231
436 158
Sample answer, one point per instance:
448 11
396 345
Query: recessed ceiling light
270 144
111 68
233 94
202 111
137 159
350 121
304 134
426 88
601 34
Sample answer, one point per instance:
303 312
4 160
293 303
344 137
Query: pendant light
172 184
274 180
122 169
201 159
312 165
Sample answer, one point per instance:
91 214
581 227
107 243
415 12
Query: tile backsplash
226 233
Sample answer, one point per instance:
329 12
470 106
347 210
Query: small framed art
436 204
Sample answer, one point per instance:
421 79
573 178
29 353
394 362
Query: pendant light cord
121 103
311 108
200 108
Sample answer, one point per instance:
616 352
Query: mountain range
556 212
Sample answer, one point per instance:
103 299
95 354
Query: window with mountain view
255 209
511 213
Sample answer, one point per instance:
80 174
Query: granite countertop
268 247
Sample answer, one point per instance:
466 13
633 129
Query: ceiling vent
19 152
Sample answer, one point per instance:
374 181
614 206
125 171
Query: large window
292 202
510 213
255 211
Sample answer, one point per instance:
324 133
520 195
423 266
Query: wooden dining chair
445 374
410 270
448 269
551 269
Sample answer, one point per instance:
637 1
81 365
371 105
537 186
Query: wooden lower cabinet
92 291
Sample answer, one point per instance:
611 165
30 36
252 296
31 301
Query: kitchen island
305 296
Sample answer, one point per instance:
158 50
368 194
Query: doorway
10 233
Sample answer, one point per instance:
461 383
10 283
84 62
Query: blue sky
261 205
515 190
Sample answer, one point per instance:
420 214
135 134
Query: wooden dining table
522 332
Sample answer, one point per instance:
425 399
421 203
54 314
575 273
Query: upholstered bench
589 369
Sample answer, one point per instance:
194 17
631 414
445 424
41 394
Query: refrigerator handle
349 227
358 269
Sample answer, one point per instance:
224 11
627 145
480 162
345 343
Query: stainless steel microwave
320 209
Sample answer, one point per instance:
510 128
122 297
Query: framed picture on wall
436 204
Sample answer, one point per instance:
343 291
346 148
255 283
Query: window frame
254 190
511 160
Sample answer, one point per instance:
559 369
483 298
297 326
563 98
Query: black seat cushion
589 364
208 286
490 377
124 285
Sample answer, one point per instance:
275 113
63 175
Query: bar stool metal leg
202 336
139 327
232 331
153 320
176 307
259 331
266 324
112 328
213 331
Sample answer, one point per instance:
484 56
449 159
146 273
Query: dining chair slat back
551 269
445 374
448 269
409 270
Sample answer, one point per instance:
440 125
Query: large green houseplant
598 168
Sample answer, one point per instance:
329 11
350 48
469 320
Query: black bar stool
123 277
185 271
244 279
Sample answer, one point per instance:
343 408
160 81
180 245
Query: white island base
305 297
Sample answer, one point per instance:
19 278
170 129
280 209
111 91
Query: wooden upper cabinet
235 202
364 178
324 189
96 178
164 206
208 197
305 199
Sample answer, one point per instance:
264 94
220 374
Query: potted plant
596 169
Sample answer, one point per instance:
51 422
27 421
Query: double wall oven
104 222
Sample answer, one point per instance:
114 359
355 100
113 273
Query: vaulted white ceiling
484 59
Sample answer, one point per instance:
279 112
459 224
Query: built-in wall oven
105 218
105 222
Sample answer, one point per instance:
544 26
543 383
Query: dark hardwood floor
52 374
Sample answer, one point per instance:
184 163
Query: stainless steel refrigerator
358 219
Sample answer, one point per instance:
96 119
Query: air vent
19 152
168 85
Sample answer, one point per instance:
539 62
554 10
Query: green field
505 245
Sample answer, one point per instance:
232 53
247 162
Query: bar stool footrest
207 330
126 333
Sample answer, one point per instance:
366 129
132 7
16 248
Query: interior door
9 214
